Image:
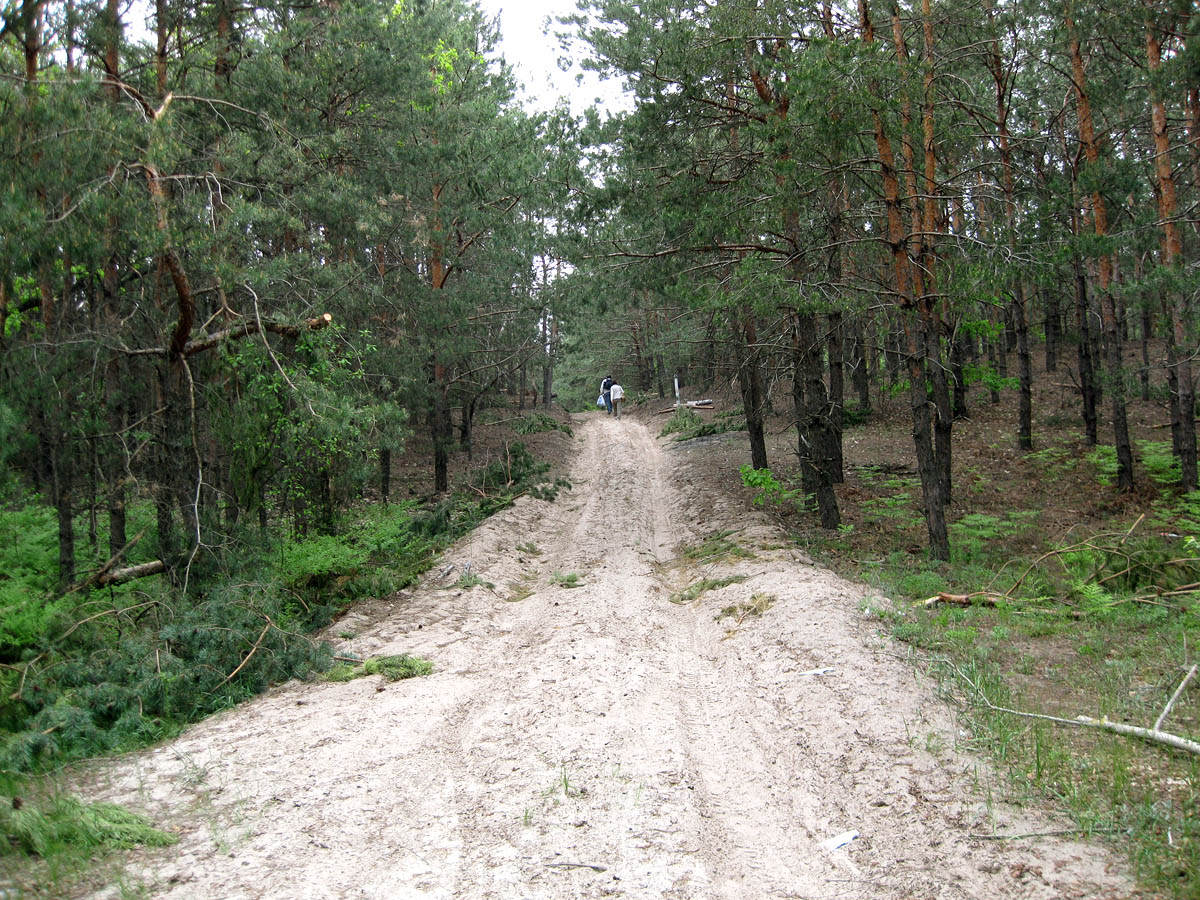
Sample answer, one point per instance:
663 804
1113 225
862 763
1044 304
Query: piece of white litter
824 671
839 840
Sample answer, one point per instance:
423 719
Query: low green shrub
538 422
767 488
686 424
28 563
921 585
683 420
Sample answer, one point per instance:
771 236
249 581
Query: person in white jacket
618 394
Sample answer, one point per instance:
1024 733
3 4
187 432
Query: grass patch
757 605
1098 619
716 547
392 668
566 580
468 580
1068 646
693 591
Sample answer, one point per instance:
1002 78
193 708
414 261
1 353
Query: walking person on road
606 392
618 394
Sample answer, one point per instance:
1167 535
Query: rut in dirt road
601 740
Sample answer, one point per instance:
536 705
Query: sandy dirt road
600 740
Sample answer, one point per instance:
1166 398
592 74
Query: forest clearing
314 538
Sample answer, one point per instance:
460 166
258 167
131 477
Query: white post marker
677 398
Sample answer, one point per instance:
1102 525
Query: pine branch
239 331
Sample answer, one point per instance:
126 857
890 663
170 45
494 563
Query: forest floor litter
760 737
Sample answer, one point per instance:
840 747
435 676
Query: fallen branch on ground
253 650
1152 735
16 695
690 404
1162 717
105 569
1089 543
1062 832
979 598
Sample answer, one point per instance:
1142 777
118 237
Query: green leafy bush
315 560
767 488
1160 463
1155 457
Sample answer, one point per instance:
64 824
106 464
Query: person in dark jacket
606 392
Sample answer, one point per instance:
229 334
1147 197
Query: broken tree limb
1089 543
16 695
105 569
690 404
979 598
245 329
248 328
1162 717
141 570
1151 735
253 650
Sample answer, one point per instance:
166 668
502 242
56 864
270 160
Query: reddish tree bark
1108 308
1172 253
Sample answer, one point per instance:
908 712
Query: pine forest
291 291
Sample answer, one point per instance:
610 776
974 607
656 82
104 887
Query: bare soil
602 740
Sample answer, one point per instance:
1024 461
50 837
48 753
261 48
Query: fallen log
980 598
129 573
690 404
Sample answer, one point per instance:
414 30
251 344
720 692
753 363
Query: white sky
535 56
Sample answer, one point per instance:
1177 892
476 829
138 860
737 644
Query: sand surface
601 740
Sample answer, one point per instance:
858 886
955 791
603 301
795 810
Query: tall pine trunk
749 374
914 324
1087 368
817 445
1108 307
1172 255
837 397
